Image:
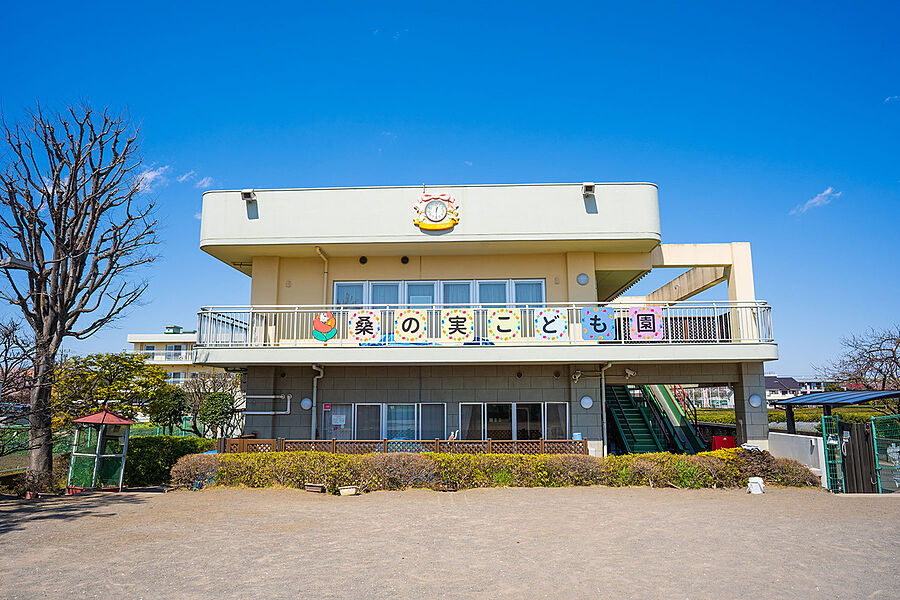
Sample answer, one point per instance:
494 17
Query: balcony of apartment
469 334
166 356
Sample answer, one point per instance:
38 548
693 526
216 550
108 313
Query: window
400 422
174 351
470 421
349 293
557 421
492 292
432 421
420 292
514 421
499 422
385 293
454 293
149 347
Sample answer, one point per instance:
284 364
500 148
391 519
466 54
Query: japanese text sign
598 323
364 326
504 324
645 323
551 324
458 325
410 325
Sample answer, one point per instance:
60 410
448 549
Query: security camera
587 188
576 376
629 373
248 196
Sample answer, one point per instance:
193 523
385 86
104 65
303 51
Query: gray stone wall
412 384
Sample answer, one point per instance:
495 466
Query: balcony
166 356
509 333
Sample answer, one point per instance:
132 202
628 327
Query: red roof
104 417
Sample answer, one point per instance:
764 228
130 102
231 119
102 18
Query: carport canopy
828 400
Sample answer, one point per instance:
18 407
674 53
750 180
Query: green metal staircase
632 421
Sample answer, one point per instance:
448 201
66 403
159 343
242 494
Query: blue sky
760 122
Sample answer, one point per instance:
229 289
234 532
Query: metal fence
886 437
296 326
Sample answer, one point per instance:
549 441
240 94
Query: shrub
151 458
722 468
193 468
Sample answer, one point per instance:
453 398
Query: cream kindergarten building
498 311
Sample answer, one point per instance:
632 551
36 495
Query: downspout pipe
320 373
324 258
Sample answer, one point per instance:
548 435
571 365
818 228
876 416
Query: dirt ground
492 543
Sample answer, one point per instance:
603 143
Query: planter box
315 487
348 490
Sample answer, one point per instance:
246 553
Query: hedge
151 458
719 469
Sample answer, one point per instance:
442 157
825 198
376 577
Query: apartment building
172 350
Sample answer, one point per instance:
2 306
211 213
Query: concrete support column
588 422
752 422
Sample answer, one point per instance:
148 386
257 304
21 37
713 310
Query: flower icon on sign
324 326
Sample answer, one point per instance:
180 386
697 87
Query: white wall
805 449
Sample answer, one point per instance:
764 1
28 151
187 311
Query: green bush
722 468
151 458
191 468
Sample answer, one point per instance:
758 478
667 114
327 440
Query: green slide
685 434
632 422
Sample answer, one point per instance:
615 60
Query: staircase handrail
622 410
658 414
640 404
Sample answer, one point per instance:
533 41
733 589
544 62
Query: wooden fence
370 446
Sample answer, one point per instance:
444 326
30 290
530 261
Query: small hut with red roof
98 452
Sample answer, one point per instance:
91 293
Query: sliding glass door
368 421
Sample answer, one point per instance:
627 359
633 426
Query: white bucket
755 485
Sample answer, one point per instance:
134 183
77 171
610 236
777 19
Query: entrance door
339 422
368 421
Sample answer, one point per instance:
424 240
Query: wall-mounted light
582 279
586 402
363 260
755 401
306 404
404 259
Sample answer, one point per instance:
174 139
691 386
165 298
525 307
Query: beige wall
299 280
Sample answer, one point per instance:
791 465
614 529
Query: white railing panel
301 326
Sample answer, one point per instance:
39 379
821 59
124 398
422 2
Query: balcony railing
165 355
485 325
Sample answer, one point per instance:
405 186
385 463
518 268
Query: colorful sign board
504 324
551 324
410 325
436 212
324 326
598 323
458 325
364 326
645 323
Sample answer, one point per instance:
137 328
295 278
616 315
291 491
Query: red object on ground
722 441
104 417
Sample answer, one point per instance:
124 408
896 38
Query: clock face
435 211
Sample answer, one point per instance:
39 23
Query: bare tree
71 218
198 388
870 361
15 387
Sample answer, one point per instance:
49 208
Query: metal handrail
615 395
682 322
